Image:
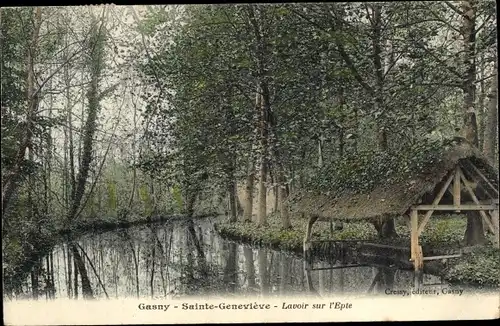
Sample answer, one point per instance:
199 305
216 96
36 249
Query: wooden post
456 189
420 258
416 249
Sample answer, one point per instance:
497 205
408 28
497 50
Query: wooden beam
435 202
337 267
456 188
465 167
377 245
474 198
483 177
463 207
338 241
442 257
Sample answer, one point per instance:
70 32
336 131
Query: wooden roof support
442 257
435 202
483 177
463 207
456 188
474 198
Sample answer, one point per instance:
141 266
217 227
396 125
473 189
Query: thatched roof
395 199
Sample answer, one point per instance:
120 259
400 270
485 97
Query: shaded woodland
121 113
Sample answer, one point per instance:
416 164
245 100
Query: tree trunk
247 214
262 213
263 110
249 267
474 232
34 282
96 65
70 265
320 152
469 88
10 181
233 217
250 180
230 270
190 204
284 211
75 269
482 112
491 126
387 228
379 75
263 273
82 270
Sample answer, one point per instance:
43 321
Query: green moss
273 235
362 171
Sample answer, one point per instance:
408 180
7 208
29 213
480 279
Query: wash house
461 180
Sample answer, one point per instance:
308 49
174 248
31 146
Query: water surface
188 258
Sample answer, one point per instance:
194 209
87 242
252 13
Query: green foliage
146 199
479 267
176 193
112 198
198 80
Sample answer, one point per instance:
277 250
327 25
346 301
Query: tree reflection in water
185 258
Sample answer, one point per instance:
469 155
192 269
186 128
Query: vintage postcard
228 163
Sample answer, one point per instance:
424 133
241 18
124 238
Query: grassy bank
479 266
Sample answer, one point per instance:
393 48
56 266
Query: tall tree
96 64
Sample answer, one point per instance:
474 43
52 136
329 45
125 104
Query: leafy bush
482 267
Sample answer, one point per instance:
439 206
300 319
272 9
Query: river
183 258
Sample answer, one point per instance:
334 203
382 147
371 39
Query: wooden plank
474 198
432 284
442 257
338 241
435 202
463 207
456 188
377 245
337 267
483 177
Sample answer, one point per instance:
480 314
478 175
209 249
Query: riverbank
19 256
478 266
